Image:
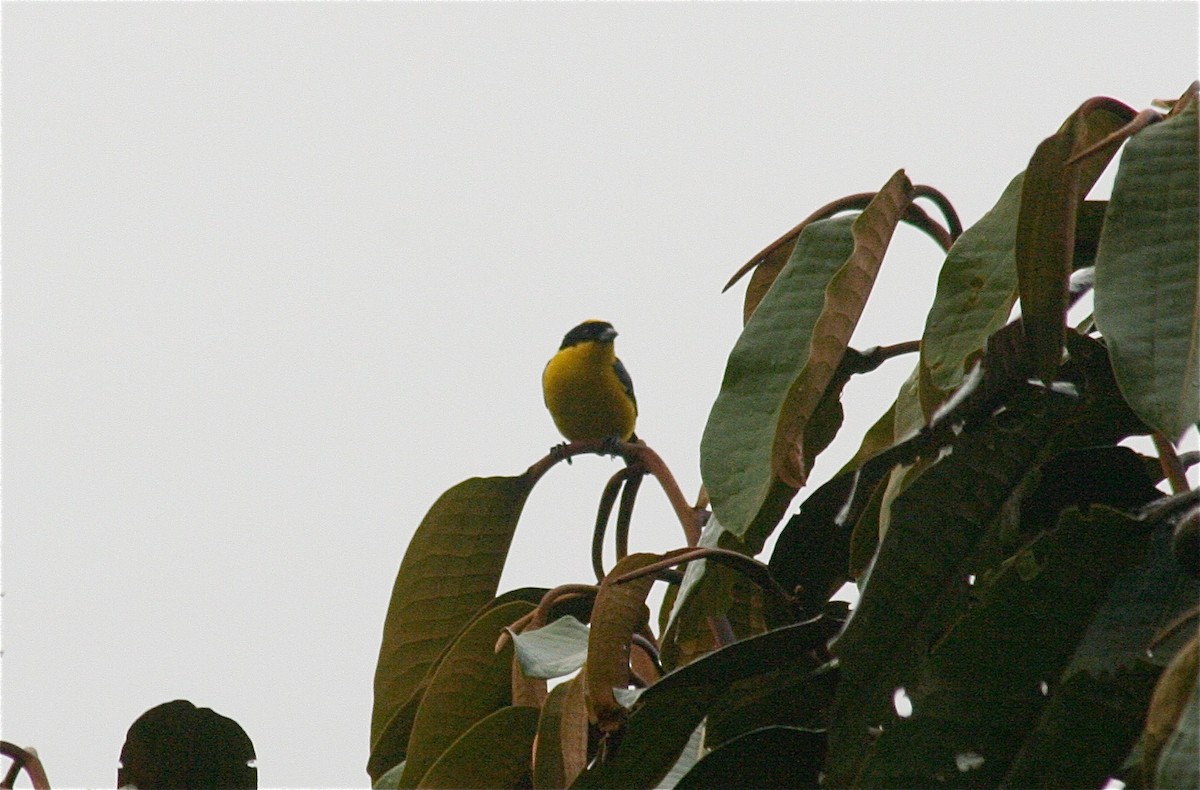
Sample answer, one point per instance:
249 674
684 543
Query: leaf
390 779
845 297
811 558
711 590
473 681
792 696
451 568
554 650
391 745
1045 240
1169 703
494 752
668 712
735 451
975 293
1087 727
977 693
936 523
755 452
176 744
1147 303
619 611
1177 767
784 757
691 754
560 751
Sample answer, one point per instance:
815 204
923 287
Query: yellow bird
587 389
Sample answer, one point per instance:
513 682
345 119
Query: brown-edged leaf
1045 240
619 611
845 297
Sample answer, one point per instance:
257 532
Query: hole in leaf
968 761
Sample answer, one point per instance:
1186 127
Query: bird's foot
559 452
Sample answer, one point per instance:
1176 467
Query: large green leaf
473 680
735 451
936 524
755 452
1051 198
977 692
976 289
1147 302
1085 730
953 524
494 752
451 568
845 297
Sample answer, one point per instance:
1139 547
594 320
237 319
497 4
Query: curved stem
27 759
944 205
1172 467
607 498
756 571
633 481
634 453
537 618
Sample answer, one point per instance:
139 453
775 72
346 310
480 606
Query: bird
586 388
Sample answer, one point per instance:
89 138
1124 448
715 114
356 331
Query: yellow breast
586 399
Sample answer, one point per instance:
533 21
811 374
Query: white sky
275 276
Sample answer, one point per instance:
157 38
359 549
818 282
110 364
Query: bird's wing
626 381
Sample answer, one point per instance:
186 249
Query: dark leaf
177 745
782 757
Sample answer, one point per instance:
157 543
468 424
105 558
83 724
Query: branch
634 454
27 759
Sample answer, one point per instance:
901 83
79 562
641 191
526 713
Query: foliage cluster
1025 581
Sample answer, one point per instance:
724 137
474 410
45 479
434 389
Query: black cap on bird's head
597 331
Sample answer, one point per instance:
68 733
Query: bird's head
593 331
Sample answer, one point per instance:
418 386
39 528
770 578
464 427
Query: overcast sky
275 276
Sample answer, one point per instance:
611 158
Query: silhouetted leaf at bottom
771 757
495 752
177 745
